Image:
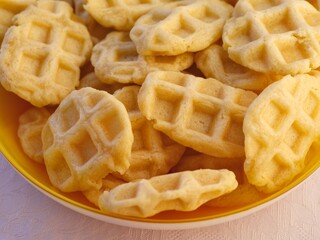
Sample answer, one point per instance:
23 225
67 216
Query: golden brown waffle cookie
183 191
183 26
108 183
120 14
9 8
116 60
280 126
245 193
87 137
203 114
153 153
41 55
30 127
97 31
203 161
214 62
91 80
279 37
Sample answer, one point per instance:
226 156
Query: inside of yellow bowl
12 106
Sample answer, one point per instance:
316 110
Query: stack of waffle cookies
150 106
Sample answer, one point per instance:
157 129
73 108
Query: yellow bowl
12 106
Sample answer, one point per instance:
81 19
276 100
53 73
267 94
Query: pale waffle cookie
116 60
120 14
280 126
202 161
153 153
245 193
214 62
91 80
31 123
278 37
97 31
203 114
8 9
183 191
87 137
41 54
183 26
108 183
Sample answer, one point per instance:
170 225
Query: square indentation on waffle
40 32
33 64
73 44
54 7
168 104
276 115
82 147
66 74
60 167
70 116
109 123
126 53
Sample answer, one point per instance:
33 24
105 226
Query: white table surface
25 213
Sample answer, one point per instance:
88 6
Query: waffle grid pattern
203 114
120 14
184 191
117 60
48 52
180 27
153 153
279 37
214 62
279 134
85 139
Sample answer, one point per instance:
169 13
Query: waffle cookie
183 26
108 183
120 14
202 161
116 60
199 113
278 37
41 55
91 80
153 153
88 136
280 126
245 193
214 62
31 123
9 8
183 191
97 31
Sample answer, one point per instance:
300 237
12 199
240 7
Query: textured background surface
25 213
